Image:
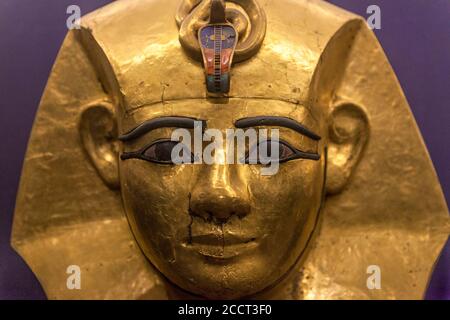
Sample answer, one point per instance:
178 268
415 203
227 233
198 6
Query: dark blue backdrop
415 35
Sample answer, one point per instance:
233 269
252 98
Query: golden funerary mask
355 188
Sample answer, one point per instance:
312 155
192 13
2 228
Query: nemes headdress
135 53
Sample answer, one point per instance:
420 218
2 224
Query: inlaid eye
161 152
264 153
284 151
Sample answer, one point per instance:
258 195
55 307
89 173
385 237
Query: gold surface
319 65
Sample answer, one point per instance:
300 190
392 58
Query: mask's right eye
160 152
157 152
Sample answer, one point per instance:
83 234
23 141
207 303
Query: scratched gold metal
129 225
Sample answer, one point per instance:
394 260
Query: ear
348 135
98 131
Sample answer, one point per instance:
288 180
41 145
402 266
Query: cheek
284 202
295 186
156 198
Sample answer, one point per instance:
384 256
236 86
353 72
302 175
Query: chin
236 279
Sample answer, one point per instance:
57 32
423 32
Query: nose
219 194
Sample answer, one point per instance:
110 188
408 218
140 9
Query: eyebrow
276 121
157 123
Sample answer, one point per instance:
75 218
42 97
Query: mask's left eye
158 152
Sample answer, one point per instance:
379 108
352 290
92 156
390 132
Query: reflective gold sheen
141 230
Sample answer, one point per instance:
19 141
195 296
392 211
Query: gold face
223 230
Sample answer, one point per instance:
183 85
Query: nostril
217 206
210 215
241 215
199 213
221 221
221 214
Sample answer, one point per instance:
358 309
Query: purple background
415 35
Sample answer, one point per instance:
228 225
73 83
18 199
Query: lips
219 246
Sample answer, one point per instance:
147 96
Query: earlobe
98 132
348 135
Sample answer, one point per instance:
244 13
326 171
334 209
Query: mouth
218 247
